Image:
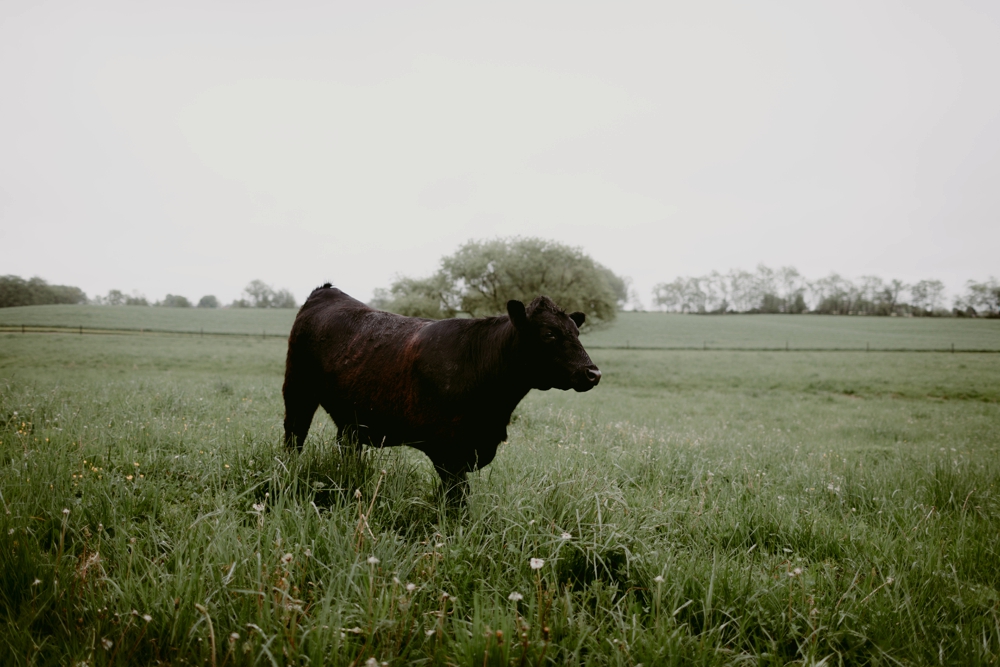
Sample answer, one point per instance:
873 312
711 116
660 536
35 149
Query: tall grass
154 517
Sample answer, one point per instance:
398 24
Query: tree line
785 290
15 291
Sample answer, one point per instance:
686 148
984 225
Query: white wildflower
537 563
515 597
658 578
373 561
566 536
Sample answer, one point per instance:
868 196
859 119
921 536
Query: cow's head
550 341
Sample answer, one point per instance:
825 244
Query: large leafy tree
481 276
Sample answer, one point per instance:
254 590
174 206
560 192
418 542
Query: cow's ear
517 315
578 317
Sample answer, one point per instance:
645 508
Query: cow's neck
499 372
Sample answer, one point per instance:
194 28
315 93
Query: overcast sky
190 147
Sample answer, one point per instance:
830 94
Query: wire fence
705 346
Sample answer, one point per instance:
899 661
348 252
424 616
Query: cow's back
359 355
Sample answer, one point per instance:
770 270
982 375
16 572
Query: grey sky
191 147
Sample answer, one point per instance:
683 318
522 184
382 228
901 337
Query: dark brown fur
446 387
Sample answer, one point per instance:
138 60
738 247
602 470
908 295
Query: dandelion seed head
658 578
66 511
148 618
515 597
429 632
372 560
411 587
536 563
287 558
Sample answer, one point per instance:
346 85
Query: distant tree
15 291
118 298
481 276
983 297
174 301
283 299
927 296
258 294
891 291
114 298
669 296
835 295
208 301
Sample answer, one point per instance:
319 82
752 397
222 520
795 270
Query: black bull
445 387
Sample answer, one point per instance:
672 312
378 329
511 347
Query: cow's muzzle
590 379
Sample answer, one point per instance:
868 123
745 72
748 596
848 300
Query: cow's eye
548 336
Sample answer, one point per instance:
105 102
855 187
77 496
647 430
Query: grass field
655 330
696 508
251 321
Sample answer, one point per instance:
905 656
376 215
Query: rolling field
637 330
720 507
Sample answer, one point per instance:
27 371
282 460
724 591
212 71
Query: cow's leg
300 406
454 482
349 435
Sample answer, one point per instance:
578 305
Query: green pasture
654 330
668 330
708 508
250 321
